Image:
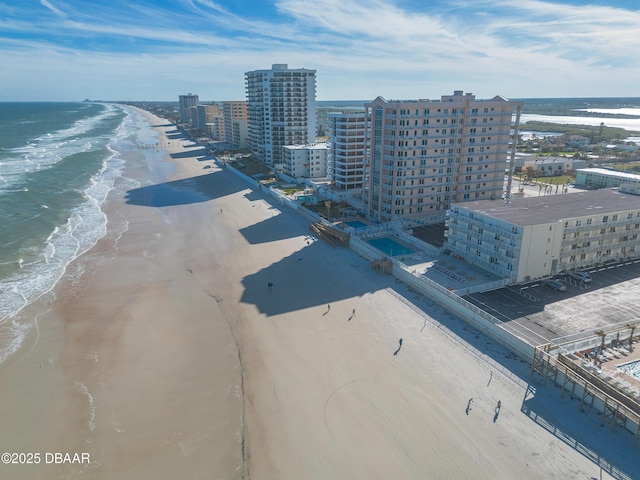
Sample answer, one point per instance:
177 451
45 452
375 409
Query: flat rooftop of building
547 160
308 146
546 209
610 173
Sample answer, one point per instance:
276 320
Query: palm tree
328 205
602 334
632 326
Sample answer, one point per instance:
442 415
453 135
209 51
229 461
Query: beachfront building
208 120
325 109
281 110
236 123
536 237
193 118
424 155
603 178
185 102
346 138
305 161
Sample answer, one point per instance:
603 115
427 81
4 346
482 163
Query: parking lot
539 314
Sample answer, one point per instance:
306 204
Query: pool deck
606 364
447 271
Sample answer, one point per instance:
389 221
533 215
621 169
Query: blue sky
62 50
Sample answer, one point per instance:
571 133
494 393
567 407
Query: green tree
530 173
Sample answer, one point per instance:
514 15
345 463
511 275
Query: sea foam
40 268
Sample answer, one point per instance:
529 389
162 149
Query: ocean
58 164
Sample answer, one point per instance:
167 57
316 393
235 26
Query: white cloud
55 10
531 48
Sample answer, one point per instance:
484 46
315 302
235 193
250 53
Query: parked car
581 276
556 285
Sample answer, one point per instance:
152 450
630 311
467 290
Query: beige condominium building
236 129
208 120
536 237
424 155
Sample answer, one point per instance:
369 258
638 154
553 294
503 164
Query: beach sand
173 359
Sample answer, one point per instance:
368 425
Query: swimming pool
631 368
356 224
390 247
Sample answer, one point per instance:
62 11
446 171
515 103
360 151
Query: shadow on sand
301 272
611 451
200 154
197 189
268 230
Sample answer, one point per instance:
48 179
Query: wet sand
175 360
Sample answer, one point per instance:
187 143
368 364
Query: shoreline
174 359
114 357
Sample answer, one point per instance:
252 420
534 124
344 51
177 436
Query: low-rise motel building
537 237
605 178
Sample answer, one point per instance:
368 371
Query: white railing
373 230
483 287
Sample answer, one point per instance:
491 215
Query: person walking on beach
497 411
399 347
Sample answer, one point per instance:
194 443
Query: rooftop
546 160
610 173
308 146
546 209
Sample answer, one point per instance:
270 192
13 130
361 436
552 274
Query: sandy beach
173 359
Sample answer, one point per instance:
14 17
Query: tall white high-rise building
185 103
424 155
281 110
346 133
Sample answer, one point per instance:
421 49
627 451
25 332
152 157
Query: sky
68 50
